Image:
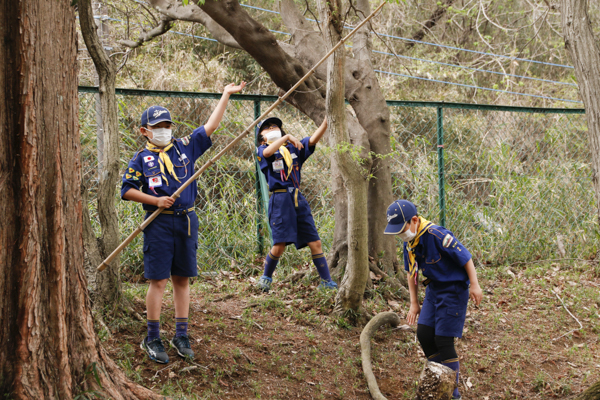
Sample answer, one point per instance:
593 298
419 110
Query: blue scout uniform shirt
440 256
143 171
272 166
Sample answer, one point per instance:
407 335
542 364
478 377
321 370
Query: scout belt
296 191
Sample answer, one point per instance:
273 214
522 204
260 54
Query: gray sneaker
155 350
182 345
264 283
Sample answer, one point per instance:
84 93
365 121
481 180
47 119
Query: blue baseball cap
266 122
154 115
398 214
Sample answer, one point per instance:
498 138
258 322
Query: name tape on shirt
149 158
155 182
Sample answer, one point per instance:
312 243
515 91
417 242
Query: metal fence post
440 148
259 203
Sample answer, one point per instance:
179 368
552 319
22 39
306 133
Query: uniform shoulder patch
447 240
259 159
186 140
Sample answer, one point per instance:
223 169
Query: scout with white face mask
281 157
170 241
449 269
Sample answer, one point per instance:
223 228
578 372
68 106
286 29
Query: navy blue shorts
170 245
290 224
445 307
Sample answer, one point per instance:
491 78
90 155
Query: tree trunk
108 287
351 291
585 54
49 347
593 393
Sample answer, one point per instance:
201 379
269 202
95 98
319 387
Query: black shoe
155 350
182 345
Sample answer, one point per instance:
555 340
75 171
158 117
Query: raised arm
217 115
314 139
273 147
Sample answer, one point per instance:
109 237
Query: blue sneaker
264 283
327 285
155 350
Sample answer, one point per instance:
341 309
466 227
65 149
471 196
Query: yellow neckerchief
286 156
412 245
164 160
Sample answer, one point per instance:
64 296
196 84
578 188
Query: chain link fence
514 184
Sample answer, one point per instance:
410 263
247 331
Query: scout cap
155 114
398 214
266 122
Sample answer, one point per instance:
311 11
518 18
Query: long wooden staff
210 162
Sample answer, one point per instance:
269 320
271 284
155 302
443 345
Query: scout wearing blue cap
449 269
281 158
153 175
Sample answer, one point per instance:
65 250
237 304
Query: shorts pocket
276 220
455 312
146 247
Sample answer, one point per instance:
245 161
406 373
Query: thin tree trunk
49 347
372 111
351 291
585 54
108 282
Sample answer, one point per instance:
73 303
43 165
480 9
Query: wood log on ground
436 382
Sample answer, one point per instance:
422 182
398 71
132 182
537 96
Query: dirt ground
525 341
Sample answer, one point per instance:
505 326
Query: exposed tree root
385 318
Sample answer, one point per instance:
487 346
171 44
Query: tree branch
165 24
192 13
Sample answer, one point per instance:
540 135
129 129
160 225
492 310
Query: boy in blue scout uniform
171 240
281 158
449 269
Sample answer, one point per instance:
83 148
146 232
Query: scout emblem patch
447 240
155 182
131 170
185 140
127 176
138 173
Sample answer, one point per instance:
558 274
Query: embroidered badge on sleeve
185 140
447 240
131 170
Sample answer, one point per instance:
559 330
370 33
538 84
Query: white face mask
161 136
272 135
407 236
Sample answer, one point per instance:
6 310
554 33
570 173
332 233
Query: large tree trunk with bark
49 347
350 164
108 288
585 54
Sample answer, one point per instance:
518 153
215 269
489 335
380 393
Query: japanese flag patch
447 240
155 182
149 158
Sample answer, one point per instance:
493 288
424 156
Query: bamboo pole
210 162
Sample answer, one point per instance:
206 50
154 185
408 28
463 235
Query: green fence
514 184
